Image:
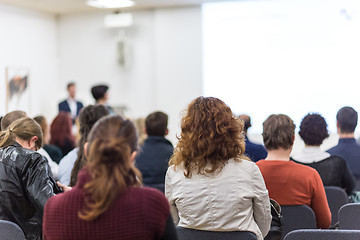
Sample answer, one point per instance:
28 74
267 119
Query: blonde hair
23 128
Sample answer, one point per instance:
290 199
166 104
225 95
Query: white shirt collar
310 155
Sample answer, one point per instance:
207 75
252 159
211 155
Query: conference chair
10 231
192 234
337 198
297 217
349 216
322 234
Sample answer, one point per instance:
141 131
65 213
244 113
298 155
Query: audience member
10 118
347 147
61 133
153 158
107 201
211 184
140 127
101 96
53 151
333 170
75 159
71 105
45 130
26 182
254 151
290 183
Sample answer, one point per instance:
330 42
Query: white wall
166 64
29 40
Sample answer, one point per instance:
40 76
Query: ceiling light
110 3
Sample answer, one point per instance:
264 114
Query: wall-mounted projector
118 20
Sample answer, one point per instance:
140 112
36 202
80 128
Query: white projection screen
275 56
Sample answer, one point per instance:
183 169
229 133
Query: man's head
99 92
156 124
278 132
10 118
247 121
347 119
71 88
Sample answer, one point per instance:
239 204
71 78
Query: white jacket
234 199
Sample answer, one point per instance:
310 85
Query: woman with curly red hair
210 184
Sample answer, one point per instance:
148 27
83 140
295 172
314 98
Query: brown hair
210 136
23 128
10 118
156 124
87 118
111 142
278 132
41 120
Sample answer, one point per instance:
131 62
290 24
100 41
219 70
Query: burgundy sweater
138 213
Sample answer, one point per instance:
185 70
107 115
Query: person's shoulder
151 196
62 103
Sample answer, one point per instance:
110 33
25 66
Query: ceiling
79 6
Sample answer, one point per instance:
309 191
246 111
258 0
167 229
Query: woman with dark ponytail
25 177
108 201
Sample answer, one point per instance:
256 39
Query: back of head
99 91
24 129
210 136
156 124
87 118
11 117
41 120
278 132
347 119
313 129
61 129
112 140
247 121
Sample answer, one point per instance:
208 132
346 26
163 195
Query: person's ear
166 132
32 143
86 145
132 157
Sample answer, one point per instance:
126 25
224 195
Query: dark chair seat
320 234
193 234
337 198
10 231
349 216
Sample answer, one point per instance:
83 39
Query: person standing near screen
70 104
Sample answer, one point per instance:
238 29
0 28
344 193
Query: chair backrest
10 231
337 198
192 234
321 234
349 216
297 217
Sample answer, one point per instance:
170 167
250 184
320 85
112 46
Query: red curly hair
210 136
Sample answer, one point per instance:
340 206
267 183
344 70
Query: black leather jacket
25 186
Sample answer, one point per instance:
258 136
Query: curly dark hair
313 129
210 136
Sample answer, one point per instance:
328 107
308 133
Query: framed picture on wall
17 89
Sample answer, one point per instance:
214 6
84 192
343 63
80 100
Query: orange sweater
291 183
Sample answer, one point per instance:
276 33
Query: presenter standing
70 104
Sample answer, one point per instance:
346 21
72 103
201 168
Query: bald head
10 118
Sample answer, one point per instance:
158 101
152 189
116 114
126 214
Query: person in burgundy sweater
108 202
290 183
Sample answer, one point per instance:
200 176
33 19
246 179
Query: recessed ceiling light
110 3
